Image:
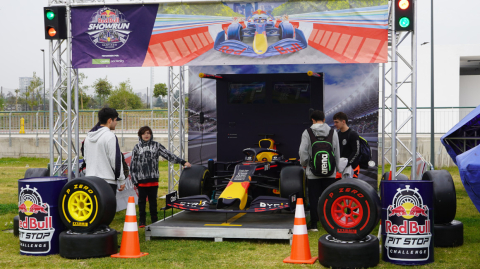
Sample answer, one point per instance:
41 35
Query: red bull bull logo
109 29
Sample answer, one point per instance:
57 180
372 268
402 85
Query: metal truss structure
64 138
176 124
63 120
390 101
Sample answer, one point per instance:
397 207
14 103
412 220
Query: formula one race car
263 181
260 26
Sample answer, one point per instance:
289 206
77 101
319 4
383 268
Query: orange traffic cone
130 247
300 247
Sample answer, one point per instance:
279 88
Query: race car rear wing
201 203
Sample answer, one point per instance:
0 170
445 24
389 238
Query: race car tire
444 195
194 181
286 30
292 180
349 209
234 32
15 226
335 253
100 243
36 172
399 177
448 234
86 203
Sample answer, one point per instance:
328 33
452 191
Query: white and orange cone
300 246
130 247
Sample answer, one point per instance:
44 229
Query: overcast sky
23 37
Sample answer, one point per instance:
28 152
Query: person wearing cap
102 151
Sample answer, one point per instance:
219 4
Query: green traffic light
404 22
50 15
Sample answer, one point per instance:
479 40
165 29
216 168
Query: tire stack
447 231
87 206
349 210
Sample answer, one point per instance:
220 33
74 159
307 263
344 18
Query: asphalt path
305 56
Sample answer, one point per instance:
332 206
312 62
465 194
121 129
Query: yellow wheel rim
80 206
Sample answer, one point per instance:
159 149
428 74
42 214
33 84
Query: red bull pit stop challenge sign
407 217
39 223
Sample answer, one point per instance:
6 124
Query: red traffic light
52 32
404 4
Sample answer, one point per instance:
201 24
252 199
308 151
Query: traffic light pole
392 128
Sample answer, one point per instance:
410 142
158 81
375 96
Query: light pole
43 87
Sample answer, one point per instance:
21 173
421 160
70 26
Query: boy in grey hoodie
102 151
316 185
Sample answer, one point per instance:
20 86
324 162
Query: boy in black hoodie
144 171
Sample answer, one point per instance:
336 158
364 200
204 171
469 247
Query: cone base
129 256
309 261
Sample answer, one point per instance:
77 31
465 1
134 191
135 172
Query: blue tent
463 136
469 165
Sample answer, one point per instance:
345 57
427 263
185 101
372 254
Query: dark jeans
114 189
315 189
151 193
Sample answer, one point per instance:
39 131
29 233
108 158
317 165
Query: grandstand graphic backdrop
351 88
233 33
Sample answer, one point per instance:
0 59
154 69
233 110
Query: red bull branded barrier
407 221
39 222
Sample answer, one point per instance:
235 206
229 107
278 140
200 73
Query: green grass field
206 253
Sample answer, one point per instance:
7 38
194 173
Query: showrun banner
243 33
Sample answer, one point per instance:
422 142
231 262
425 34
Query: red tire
349 209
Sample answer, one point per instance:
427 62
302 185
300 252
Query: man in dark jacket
144 171
349 143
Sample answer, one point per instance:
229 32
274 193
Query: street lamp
43 87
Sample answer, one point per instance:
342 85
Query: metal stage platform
187 224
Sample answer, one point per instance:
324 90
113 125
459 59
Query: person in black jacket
349 143
144 171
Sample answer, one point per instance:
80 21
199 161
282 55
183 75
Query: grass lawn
206 253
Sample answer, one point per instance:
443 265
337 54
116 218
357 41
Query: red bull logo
108 29
29 208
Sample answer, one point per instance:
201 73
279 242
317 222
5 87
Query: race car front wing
202 203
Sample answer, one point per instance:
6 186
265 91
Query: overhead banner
243 33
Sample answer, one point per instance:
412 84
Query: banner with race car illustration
233 33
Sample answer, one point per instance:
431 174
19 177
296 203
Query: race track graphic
260 26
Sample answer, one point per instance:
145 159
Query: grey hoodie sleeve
134 165
111 149
336 150
304 150
162 151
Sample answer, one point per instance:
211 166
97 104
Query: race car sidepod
202 203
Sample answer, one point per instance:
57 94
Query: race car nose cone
260 43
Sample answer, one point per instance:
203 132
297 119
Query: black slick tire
335 253
448 234
15 226
444 195
292 180
349 209
36 172
100 243
194 181
86 203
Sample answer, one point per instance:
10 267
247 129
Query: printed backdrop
243 33
350 88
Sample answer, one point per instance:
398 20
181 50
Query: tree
103 88
160 90
124 98
32 93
